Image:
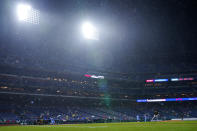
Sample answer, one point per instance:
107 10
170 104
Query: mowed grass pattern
131 126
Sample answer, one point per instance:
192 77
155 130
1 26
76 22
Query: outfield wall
186 119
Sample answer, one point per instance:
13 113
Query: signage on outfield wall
167 99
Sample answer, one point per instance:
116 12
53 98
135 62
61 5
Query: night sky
133 34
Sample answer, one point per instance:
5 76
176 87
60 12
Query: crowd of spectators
33 62
33 110
73 86
29 96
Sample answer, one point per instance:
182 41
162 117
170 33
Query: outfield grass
132 126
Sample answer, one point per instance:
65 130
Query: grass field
132 126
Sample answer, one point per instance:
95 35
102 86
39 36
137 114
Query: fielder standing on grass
145 117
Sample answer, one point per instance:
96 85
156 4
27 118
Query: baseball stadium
98 65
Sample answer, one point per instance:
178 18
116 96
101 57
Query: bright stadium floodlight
26 13
23 11
89 31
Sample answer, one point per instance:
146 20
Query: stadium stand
30 96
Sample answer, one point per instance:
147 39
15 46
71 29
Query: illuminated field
133 126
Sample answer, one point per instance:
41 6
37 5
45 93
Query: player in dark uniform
182 115
156 115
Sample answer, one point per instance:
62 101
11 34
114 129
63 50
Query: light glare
23 11
89 31
27 14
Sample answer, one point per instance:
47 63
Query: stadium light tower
26 13
23 11
89 31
